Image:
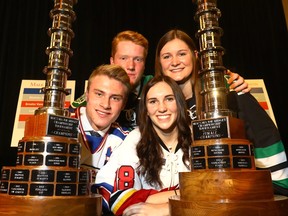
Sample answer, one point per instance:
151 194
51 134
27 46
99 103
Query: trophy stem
59 53
214 88
219 139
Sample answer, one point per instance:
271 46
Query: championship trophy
47 178
223 178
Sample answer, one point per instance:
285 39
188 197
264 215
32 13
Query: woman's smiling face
162 107
176 60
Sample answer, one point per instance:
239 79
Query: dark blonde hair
114 72
132 36
148 149
195 80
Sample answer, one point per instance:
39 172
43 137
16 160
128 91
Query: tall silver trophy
219 137
223 179
47 178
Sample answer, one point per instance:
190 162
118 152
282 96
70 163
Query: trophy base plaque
223 153
220 143
218 193
217 128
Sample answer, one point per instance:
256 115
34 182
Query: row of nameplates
43 182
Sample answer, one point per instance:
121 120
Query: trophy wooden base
51 206
47 179
46 166
227 192
276 207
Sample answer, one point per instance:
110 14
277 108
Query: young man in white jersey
106 95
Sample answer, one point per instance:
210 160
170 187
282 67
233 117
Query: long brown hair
148 149
195 80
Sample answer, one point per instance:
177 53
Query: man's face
130 56
105 100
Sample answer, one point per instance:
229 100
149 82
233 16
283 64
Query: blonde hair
114 72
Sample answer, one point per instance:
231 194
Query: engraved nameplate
242 162
19 175
35 146
53 160
74 162
4 187
42 175
19 159
83 176
210 128
198 163
33 160
74 149
66 176
56 147
20 147
217 150
65 189
62 126
240 149
5 174
218 163
41 189
198 151
18 189
82 189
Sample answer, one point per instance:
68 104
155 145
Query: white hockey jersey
96 150
119 179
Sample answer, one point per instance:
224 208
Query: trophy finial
59 53
212 71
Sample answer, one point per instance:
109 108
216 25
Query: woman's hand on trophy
237 82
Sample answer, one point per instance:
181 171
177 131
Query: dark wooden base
220 186
40 151
51 206
276 207
227 192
